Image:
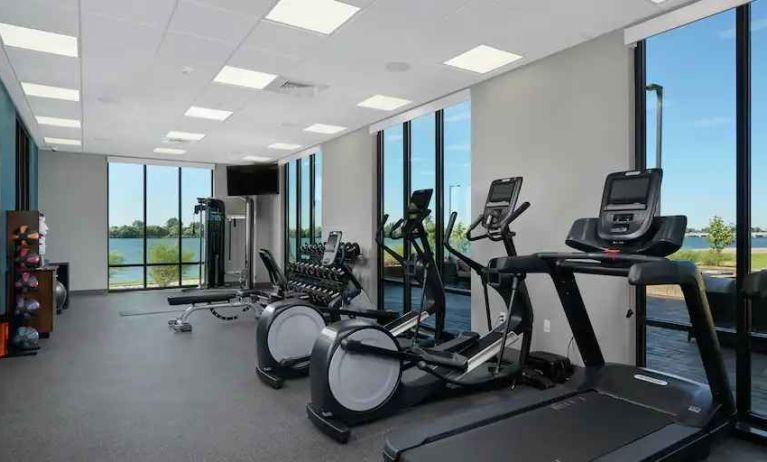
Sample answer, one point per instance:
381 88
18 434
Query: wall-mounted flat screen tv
252 180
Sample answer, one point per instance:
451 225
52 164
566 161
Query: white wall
349 198
73 196
562 123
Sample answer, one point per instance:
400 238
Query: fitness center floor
126 388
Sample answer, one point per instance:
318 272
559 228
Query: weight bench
211 301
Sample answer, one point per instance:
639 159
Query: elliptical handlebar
446 242
502 230
380 235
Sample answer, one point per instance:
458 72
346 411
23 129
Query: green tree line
170 229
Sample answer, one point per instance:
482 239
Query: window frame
297 190
146 264
751 424
438 213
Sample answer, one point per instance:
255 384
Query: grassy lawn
704 257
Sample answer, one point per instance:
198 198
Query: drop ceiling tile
148 12
198 53
264 61
115 55
55 108
283 40
213 23
257 8
50 16
46 69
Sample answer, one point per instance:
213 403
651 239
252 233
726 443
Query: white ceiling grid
143 63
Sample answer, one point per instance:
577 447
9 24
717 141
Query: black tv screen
252 180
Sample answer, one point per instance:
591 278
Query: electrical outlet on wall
547 326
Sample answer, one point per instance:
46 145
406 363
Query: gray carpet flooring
111 388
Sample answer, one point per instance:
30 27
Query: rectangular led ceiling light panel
38 40
323 16
169 151
257 158
57 122
46 91
384 103
324 129
483 59
62 141
185 136
231 75
206 113
284 146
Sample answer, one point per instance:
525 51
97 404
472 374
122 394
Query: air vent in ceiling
296 88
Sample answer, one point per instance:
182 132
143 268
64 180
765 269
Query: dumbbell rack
326 286
16 222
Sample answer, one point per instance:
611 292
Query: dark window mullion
180 230
379 215
312 189
640 162
406 152
743 207
298 208
146 260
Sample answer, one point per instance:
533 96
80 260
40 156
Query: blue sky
696 66
126 193
457 161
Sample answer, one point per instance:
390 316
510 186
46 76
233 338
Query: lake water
699 242
132 251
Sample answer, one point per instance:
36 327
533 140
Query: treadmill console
629 204
501 202
331 248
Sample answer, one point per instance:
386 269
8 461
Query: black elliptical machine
288 328
360 372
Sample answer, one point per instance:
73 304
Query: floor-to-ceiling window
695 75
431 151
303 204
154 234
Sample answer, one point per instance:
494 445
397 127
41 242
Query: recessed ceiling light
244 77
657 1
284 146
257 158
205 113
186 136
63 141
483 59
324 129
46 91
323 16
38 40
169 151
384 103
57 122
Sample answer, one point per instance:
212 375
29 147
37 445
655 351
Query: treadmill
607 412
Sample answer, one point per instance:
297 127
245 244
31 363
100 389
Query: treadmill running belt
581 428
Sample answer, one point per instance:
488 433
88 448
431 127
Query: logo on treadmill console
652 380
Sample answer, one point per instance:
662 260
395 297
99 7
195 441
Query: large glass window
303 213
411 154
698 158
706 105
393 205
154 235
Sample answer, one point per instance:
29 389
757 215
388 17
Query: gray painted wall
73 196
349 198
562 123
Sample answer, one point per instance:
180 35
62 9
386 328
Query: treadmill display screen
330 246
502 192
629 191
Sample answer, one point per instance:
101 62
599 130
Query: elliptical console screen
629 191
331 248
501 201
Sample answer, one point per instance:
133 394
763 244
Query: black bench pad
201 298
